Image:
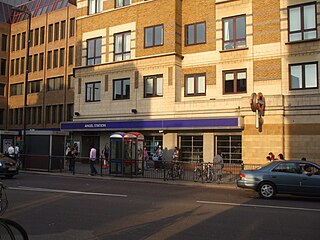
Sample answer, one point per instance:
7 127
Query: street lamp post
27 69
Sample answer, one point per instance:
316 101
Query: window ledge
235 49
303 41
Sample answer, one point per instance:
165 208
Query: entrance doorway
86 142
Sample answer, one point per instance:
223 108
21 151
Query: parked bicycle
203 172
175 171
9 229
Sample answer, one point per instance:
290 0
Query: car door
310 180
287 177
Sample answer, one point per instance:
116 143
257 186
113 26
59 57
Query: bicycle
204 172
175 171
9 229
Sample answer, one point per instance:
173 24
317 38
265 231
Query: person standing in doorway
92 159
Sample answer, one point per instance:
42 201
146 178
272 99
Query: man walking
92 159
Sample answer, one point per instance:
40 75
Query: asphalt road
60 207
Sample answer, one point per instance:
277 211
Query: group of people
271 157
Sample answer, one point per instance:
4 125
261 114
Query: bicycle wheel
5 232
196 175
181 173
19 233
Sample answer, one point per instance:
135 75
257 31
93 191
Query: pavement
228 185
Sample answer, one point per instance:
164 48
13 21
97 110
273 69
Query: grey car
287 177
8 166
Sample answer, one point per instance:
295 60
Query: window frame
57 84
235 72
196 87
303 76
154 36
93 97
195 33
122 47
234 29
117 5
95 57
154 85
95 9
36 85
302 30
122 86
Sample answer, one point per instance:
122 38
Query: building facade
183 73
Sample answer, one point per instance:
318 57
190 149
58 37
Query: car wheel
267 190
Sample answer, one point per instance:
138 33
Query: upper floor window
55 83
50 33
95 6
16 89
302 22
2 88
42 30
195 33
303 76
23 40
72 27
3 67
122 46
121 89
94 51
36 36
195 84
35 86
234 32
93 91
153 86
4 43
235 81
13 42
153 36
121 3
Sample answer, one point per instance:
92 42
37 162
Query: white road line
65 191
260 206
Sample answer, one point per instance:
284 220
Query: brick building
183 73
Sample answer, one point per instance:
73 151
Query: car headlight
2 164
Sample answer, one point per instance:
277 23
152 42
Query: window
4 42
22 65
16 116
302 22
23 40
55 83
39 110
10 116
93 91
191 147
60 113
31 38
50 33
195 85
94 51
2 87
12 67
36 36
235 81
234 32
55 58
1 116
71 80
122 46
56 31
71 55
70 112
3 67
29 63
303 76
230 147
34 115
48 114
287 168
95 6
35 62
49 60
63 30
18 41
153 36
153 86
42 35
35 86
13 42
41 60
195 33
72 27
54 113
61 62
16 89
121 89
122 3
17 66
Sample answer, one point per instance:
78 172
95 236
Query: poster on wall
6 143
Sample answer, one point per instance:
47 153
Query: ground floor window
151 143
230 147
191 148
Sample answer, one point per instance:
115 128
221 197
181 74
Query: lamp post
28 13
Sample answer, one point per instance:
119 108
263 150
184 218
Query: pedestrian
92 159
280 156
74 154
303 159
218 166
175 155
272 157
11 151
68 153
106 151
145 158
17 152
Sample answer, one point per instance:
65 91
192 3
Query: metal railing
166 170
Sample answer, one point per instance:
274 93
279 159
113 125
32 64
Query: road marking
261 206
65 191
